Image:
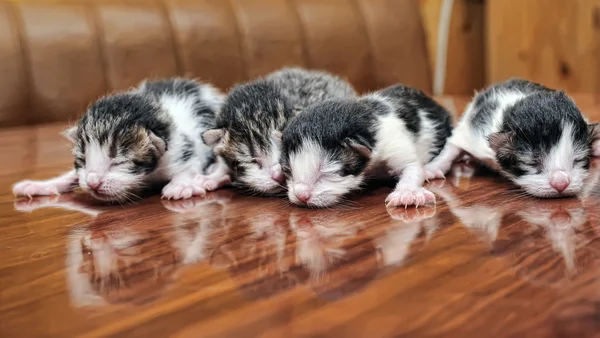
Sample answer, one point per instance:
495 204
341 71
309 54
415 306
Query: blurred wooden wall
465 59
555 42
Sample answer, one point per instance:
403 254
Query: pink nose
93 181
560 181
277 174
302 192
302 196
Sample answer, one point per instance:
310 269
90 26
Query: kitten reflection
320 238
197 223
561 224
335 250
113 266
482 218
132 255
395 245
279 248
555 234
255 251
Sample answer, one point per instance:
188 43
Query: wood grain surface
486 261
554 42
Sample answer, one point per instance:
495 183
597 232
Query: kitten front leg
65 202
442 163
55 186
183 186
409 190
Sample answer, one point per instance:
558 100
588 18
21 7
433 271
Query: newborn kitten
534 136
129 142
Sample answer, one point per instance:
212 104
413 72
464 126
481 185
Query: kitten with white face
332 148
534 136
249 126
126 144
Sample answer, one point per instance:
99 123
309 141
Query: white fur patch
116 182
212 97
186 126
395 145
261 177
313 167
476 143
561 158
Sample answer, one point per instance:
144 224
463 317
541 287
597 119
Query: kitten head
117 144
545 147
325 152
248 135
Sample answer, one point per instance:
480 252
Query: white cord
439 77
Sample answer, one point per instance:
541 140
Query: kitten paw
35 188
406 197
182 190
32 204
413 215
432 174
183 205
212 182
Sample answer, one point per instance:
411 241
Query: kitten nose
302 192
276 173
93 180
560 181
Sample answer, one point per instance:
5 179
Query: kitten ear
158 143
360 148
70 134
277 135
499 140
213 137
594 131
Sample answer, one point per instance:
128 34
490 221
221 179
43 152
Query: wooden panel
550 41
465 57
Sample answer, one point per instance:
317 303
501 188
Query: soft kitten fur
131 141
254 114
332 148
534 136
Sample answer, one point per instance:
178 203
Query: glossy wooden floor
486 262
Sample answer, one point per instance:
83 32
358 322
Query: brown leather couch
58 55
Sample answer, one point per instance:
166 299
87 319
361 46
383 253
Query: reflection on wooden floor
486 259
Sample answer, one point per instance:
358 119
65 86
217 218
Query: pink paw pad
406 197
182 190
211 183
33 188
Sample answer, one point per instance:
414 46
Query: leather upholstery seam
241 39
303 38
101 41
171 32
18 22
92 12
